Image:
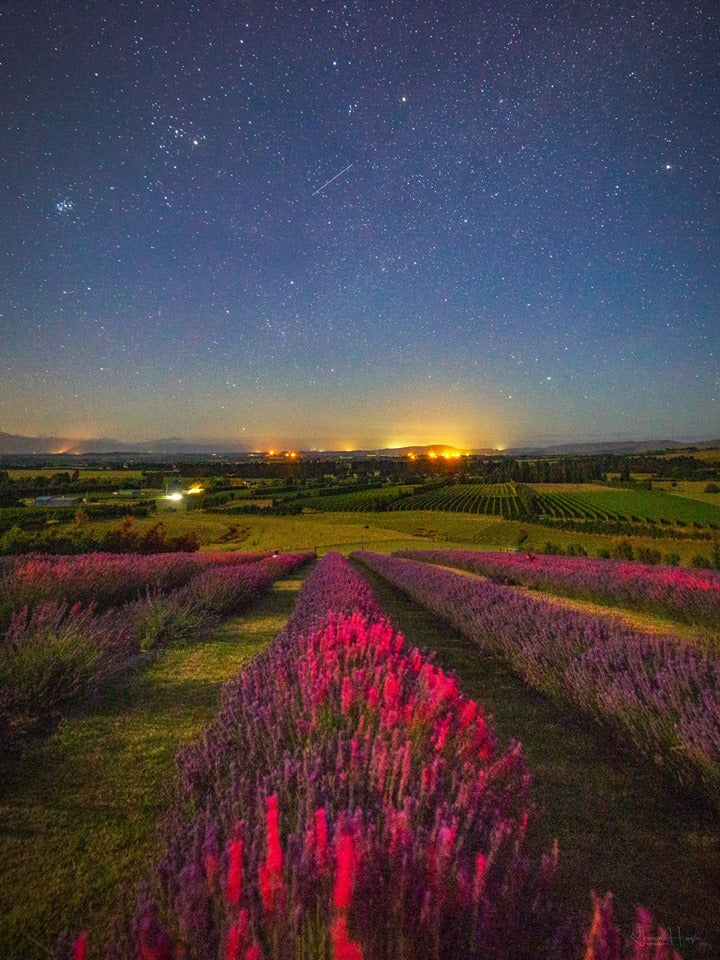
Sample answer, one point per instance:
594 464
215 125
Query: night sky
520 243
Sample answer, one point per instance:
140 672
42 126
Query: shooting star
333 178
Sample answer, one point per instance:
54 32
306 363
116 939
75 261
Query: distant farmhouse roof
55 501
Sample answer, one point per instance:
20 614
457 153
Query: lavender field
689 596
659 694
72 621
349 801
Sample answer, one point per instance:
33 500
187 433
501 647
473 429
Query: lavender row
692 596
56 652
104 579
349 803
658 693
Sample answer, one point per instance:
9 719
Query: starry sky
362 223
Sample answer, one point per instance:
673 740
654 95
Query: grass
619 826
29 473
341 531
386 532
709 455
567 487
654 504
79 809
692 489
494 533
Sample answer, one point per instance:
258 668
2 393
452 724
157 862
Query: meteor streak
333 178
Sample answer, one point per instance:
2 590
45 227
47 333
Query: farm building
55 501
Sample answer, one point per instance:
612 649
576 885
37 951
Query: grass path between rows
79 810
619 826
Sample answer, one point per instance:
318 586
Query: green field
628 505
692 489
29 474
388 531
565 501
591 502
359 501
495 499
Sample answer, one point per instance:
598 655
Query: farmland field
591 502
85 474
499 499
386 532
692 489
89 796
597 802
360 501
709 455
628 505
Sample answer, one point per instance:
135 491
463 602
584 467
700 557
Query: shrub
576 550
552 549
623 550
160 620
52 655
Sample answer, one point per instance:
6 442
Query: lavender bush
692 596
53 652
103 579
661 694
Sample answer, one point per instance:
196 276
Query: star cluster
344 223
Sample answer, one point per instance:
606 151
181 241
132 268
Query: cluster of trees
643 528
680 467
59 484
76 538
35 518
623 550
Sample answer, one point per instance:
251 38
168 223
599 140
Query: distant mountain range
613 446
14 445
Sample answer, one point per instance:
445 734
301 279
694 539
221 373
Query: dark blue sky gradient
525 247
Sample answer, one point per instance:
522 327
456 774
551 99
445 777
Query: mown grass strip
78 811
618 826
